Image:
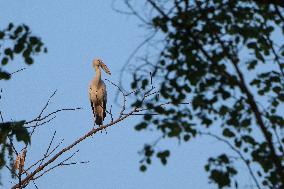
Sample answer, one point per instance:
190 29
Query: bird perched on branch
98 93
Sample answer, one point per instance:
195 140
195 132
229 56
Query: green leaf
5 61
9 52
225 95
238 143
10 26
246 122
224 158
148 151
143 168
148 117
21 132
281 97
277 89
207 168
164 161
18 30
220 178
2 34
16 128
4 75
251 45
148 161
228 133
29 60
223 110
252 64
207 121
27 52
144 83
167 153
186 137
18 48
133 84
249 139
159 109
163 155
141 126
34 40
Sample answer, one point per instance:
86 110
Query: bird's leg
94 127
105 130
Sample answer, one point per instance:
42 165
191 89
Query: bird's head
99 63
96 62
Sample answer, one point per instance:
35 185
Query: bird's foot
103 129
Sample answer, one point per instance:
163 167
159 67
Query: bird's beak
105 68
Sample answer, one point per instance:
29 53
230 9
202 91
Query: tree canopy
15 41
226 57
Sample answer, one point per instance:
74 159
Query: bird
98 92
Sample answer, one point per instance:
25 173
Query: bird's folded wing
93 108
104 103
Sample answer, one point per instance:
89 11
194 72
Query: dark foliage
226 57
15 41
18 41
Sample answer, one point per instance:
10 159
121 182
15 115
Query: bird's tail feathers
99 120
99 115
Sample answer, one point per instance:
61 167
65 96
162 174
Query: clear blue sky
75 32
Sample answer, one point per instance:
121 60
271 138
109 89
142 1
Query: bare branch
40 168
123 94
46 156
40 124
133 54
18 71
1 116
50 114
134 12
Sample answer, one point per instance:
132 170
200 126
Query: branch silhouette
46 164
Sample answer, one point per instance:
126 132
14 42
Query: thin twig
48 148
1 116
123 94
18 71
132 55
50 114
59 164
28 178
44 157
42 123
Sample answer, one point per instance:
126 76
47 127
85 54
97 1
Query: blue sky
75 32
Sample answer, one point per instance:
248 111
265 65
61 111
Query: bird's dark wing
93 108
105 101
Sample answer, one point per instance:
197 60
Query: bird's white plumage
98 92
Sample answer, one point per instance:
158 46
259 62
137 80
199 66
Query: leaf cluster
18 41
207 44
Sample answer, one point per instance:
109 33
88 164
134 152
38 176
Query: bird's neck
97 77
